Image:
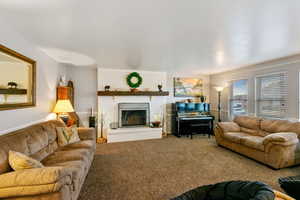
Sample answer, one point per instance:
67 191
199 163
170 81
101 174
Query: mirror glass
17 86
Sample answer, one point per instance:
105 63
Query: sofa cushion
229 126
276 126
254 132
249 131
85 144
248 122
43 153
67 155
37 139
235 136
50 128
255 142
30 183
76 167
19 161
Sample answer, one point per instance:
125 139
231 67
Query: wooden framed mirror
17 80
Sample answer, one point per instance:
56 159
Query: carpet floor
162 169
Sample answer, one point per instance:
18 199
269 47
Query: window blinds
272 95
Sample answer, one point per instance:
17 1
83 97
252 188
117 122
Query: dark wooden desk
194 125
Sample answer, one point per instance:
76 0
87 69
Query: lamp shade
219 89
63 106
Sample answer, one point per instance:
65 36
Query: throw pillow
19 161
67 135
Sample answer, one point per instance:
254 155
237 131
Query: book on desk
193 118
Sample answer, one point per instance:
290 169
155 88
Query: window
239 98
272 95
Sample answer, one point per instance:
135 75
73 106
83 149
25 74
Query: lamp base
64 117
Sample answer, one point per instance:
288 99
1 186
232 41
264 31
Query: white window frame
231 96
257 91
298 95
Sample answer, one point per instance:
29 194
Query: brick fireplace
127 117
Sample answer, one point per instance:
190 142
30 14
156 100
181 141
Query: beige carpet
161 169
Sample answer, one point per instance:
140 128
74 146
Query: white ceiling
204 36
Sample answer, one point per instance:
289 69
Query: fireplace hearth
134 115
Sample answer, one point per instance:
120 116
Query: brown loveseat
65 167
273 142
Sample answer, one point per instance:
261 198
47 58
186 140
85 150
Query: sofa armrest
34 181
87 133
229 127
283 138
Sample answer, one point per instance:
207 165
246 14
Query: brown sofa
273 142
65 167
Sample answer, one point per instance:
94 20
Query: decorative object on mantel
134 80
159 87
187 87
106 88
12 85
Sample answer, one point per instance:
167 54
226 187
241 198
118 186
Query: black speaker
92 122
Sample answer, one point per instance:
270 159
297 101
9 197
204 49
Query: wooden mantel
129 93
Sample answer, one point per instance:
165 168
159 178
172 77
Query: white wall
117 79
291 65
48 72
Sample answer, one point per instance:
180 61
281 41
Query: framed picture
188 87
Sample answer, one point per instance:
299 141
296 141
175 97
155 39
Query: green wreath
137 80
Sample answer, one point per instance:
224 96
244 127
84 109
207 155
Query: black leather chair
291 185
232 190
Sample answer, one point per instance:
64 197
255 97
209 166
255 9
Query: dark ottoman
231 190
291 185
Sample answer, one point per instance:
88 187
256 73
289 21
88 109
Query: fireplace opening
134 118
133 114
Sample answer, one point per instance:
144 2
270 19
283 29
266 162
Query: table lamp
62 108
